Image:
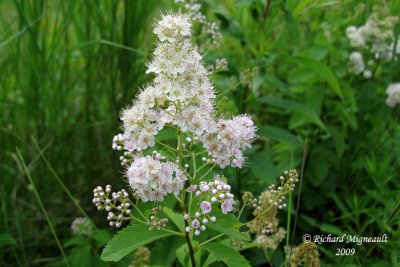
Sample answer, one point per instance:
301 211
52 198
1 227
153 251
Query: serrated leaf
294 107
129 239
229 256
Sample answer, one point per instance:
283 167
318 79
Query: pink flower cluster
230 138
153 179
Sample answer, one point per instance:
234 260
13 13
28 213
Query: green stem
183 204
194 167
240 212
211 239
209 170
164 145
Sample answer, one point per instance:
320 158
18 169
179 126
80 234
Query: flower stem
211 239
183 204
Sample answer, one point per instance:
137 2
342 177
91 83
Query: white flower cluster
374 40
82 226
153 179
193 8
182 95
216 192
393 95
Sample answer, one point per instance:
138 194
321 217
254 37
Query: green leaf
75 241
229 256
278 134
261 161
7 240
294 107
234 233
323 71
228 225
176 218
81 256
129 239
329 228
101 237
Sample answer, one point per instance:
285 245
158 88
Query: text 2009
345 251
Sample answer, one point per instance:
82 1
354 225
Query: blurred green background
68 67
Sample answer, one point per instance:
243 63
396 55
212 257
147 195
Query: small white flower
205 207
227 206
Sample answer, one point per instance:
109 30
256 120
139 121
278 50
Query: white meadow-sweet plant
172 189
373 43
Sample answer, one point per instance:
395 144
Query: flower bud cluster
198 222
278 193
270 241
374 40
154 222
209 193
221 64
210 28
82 226
152 179
249 200
266 208
117 204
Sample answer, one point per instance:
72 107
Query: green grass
68 67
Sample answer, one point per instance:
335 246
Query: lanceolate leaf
129 239
229 256
323 71
294 107
278 134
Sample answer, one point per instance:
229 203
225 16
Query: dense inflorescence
374 42
180 97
